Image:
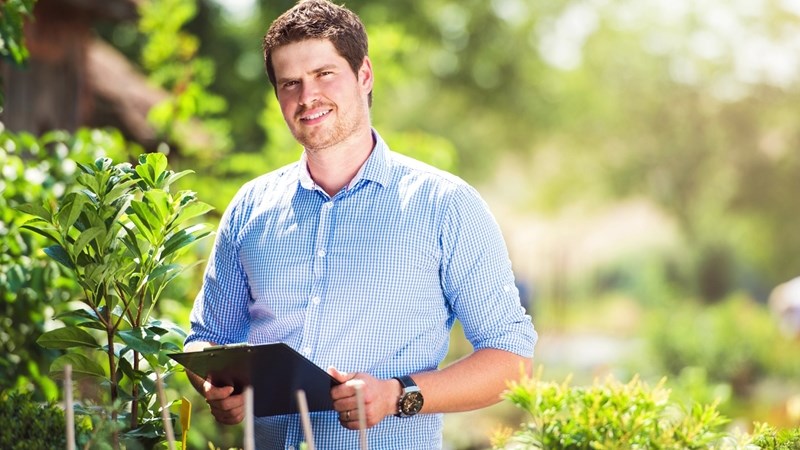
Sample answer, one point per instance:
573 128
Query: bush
768 438
736 341
608 415
616 416
28 425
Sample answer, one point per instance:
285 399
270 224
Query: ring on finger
347 415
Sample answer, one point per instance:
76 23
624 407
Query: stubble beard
330 135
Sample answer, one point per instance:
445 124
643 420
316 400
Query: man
359 258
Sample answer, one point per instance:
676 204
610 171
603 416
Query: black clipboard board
276 372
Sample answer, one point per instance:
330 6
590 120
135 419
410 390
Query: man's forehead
306 55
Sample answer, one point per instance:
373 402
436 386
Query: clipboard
276 371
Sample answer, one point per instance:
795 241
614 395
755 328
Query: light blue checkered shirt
369 280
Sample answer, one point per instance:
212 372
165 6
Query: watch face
411 403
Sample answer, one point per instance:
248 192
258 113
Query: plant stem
112 369
135 393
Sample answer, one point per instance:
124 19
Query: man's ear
365 76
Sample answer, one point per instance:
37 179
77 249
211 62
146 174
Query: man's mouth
315 115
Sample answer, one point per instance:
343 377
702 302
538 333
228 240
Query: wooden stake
249 434
162 399
305 418
69 412
362 417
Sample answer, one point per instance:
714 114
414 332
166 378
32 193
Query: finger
216 393
340 376
227 414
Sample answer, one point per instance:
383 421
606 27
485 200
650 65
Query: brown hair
318 19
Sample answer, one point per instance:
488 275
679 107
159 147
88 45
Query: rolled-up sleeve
477 277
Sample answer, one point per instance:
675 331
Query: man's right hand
227 408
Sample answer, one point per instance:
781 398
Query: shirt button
321 253
307 351
328 205
291 447
507 288
316 300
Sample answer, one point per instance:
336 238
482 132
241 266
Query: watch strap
405 382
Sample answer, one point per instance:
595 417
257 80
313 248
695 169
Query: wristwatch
411 400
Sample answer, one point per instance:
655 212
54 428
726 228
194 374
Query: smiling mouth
316 115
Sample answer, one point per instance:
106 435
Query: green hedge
616 416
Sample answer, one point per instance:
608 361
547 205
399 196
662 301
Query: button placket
319 267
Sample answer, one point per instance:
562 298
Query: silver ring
347 416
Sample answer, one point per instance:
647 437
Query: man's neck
334 167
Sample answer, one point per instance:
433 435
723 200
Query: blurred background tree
642 157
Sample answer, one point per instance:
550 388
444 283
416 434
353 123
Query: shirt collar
376 168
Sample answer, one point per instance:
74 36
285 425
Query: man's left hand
380 398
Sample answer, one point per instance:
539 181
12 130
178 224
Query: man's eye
289 84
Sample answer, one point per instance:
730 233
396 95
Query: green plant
121 235
608 415
767 437
12 15
26 424
736 341
32 285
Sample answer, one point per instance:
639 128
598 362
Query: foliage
33 286
120 235
735 341
608 415
768 438
616 416
28 425
12 15
170 57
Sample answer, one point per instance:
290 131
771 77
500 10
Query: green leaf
86 237
120 189
43 229
158 161
82 367
67 337
36 210
61 256
190 211
183 238
158 201
156 325
132 242
95 325
86 169
165 269
141 340
147 216
77 314
175 177
70 210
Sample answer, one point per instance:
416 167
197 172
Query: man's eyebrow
324 68
318 70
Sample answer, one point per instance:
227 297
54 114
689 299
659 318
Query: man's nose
309 93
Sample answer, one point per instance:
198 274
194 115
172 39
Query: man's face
323 102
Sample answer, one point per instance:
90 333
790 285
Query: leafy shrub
32 286
608 415
120 235
617 416
768 438
28 425
736 341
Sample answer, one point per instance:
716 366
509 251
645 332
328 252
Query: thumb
340 376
